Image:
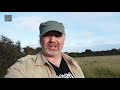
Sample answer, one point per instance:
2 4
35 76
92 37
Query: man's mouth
53 46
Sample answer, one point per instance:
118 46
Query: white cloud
91 15
103 14
84 40
32 43
4 31
28 23
10 34
107 21
78 41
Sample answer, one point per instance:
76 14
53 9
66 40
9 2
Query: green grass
100 66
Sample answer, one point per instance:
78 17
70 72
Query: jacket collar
41 60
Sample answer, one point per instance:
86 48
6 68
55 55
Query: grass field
100 66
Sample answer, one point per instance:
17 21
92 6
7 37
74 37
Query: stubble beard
52 49
50 53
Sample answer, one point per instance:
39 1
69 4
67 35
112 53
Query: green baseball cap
51 26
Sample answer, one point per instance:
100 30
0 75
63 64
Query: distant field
100 66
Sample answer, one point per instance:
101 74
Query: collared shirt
37 66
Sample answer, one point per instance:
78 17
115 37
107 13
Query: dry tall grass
100 66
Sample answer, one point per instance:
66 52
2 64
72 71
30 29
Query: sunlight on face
52 43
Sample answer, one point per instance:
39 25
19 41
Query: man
50 62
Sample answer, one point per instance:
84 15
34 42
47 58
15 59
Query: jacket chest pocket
40 72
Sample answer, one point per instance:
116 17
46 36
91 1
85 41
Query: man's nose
52 39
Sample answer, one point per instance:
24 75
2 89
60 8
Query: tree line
11 51
89 52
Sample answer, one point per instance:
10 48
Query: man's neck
56 60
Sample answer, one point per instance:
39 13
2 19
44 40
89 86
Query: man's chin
52 53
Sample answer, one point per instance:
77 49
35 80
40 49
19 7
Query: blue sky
84 30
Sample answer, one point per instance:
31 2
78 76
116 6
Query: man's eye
49 35
46 35
58 35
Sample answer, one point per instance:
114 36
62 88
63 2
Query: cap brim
50 30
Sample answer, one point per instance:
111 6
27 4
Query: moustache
53 44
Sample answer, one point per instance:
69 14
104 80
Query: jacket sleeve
16 70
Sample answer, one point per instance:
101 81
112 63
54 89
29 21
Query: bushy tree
9 53
29 50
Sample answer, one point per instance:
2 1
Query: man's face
52 43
